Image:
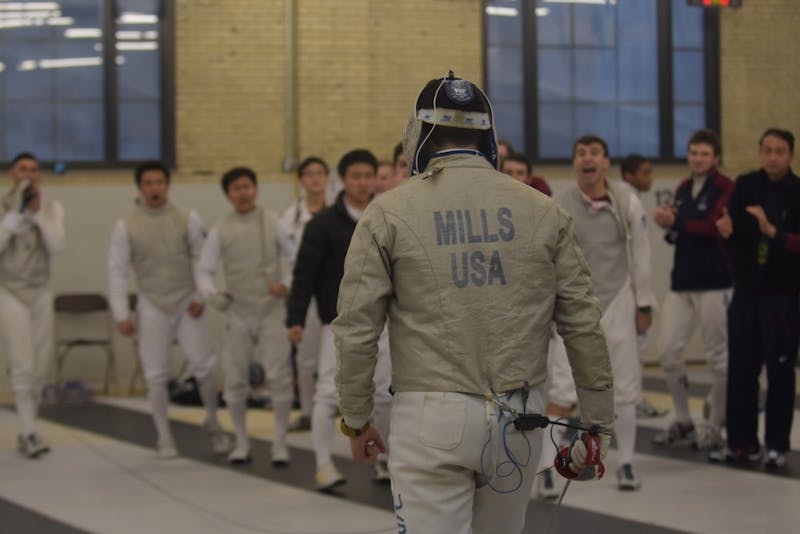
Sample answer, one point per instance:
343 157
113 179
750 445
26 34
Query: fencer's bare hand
277 289
367 446
643 321
725 224
126 327
664 216
196 309
295 334
763 223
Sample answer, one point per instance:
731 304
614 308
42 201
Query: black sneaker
32 445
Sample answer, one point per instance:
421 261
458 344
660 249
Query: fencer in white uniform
313 174
160 242
247 244
31 232
611 229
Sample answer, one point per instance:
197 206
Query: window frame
166 29
711 69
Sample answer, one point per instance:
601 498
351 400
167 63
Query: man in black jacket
763 231
317 272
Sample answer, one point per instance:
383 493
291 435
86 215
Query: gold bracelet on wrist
351 432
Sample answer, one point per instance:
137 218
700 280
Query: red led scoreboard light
715 3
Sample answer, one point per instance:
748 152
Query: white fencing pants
156 332
447 448
326 397
308 359
682 311
27 337
267 337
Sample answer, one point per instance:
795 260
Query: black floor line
16 518
137 428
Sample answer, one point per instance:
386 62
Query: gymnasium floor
103 476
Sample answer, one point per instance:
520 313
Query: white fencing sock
26 411
625 432
238 412
306 383
157 397
209 394
719 388
322 422
678 386
281 411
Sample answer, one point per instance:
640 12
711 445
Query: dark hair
507 144
519 158
786 135
398 150
23 155
150 166
235 173
590 140
631 164
706 136
310 161
359 155
459 137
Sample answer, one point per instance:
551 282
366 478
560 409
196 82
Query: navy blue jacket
701 261
759 263
320 264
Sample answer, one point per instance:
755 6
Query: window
636 72
84 81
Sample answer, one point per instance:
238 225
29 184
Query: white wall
92 210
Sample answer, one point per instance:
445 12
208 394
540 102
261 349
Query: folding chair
74 304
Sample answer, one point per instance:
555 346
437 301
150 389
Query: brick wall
760 77
359 64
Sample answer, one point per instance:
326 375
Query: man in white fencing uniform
31 232
611 229
247 244
160 242
313 174
471 267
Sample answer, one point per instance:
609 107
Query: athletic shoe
328 477
166 449
627 479
645 410
380 473
32 445
708 439
546 486
220 441
676 433
725 454
775 459
301 424
280 455
240 454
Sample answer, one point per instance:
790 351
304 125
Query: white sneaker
166 450
627 479
240 454
328 477
280 455
220 441
32 445
546 486
708 438
380 472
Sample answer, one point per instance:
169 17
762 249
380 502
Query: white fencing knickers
27 337
445 448
157 330
683 310
326 397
